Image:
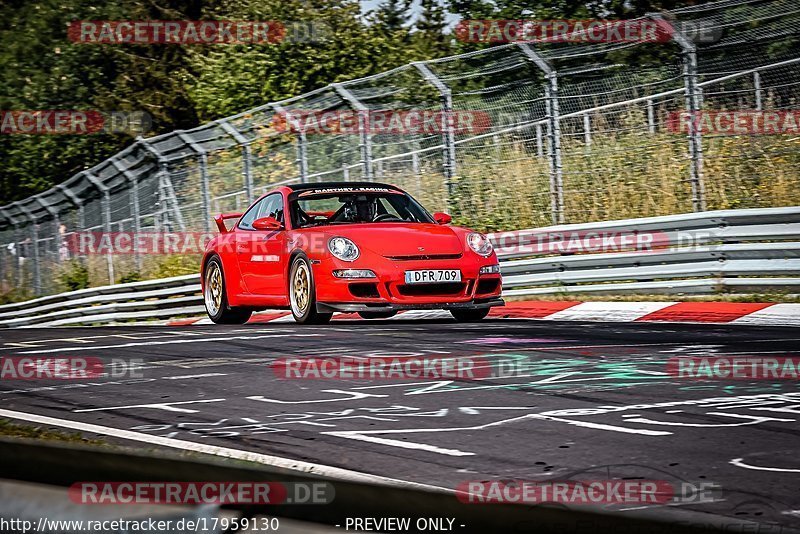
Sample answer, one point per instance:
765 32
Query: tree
430 38
392 15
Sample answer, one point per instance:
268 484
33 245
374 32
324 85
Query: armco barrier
737 251
59 464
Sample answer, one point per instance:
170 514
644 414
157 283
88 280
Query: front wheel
469 315
302 294
216 300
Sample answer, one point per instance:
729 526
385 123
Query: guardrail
741 251
744 251
59 465
161 298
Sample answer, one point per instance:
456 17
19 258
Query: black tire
469 315
215 296
303 302
377 315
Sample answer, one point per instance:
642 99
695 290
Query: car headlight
343 248
479 243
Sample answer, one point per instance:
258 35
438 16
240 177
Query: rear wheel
377 315
302 294
469 315
216 300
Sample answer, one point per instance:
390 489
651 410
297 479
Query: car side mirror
267 223
442 218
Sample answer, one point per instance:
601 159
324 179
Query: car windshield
357 207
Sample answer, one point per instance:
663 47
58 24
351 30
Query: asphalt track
580 404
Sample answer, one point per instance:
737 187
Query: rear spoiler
222 217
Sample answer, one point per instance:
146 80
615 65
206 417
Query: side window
271 206
246 222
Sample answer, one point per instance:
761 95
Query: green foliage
231 79
132 276
14 295
74 276
175 265
179 86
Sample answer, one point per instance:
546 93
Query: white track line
225 452
739 462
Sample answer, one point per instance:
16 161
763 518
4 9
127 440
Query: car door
259 252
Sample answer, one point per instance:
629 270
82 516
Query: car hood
398 239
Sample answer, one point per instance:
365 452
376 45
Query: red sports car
360 247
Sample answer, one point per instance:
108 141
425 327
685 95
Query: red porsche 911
360 247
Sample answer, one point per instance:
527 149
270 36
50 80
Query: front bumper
330 307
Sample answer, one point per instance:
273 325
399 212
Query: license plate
433 276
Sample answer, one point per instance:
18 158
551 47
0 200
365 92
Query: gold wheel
213 292
301 288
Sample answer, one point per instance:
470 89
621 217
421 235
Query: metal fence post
247 173
76 201
247 158
7 217
302 156
693 99
20 266
205 192
448 136
757 88
553 132
34 237
365 140
106 208
15 225
587 130
56 229
135 208
651 117
56 220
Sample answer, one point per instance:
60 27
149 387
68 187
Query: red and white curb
739 313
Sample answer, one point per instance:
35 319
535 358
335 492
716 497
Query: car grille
425 257
430 290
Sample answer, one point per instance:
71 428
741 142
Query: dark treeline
183 86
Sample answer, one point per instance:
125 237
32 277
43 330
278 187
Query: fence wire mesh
570 133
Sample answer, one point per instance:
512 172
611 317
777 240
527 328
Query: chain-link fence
573 133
